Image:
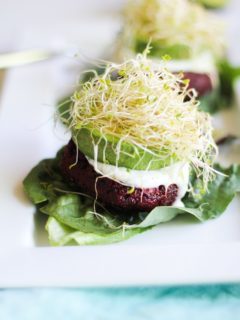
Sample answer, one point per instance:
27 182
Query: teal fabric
178 303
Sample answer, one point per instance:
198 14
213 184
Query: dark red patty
199 81
110 193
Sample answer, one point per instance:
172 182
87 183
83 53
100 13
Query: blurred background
27 24
56 24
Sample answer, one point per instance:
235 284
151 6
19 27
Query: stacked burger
186 32
137 134
141 149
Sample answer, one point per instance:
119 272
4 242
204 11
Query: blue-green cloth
168 303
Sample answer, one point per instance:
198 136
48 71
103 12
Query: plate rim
147 265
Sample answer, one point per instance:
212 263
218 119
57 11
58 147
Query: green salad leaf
212 102
77 219
220 193
43 181
60 234
222 97
228 75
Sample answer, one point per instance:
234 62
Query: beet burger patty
110 192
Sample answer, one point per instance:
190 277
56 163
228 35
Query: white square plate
179 252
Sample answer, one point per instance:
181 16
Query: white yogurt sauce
177 173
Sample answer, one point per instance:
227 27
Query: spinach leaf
43 179
221 192
78 213
223 96
212 102
60 234
228 74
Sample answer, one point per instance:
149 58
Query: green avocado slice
176 51
213 3
123 154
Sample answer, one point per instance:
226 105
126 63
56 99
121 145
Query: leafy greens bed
72 217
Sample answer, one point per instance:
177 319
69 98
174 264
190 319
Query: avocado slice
213 3
176 51
129 156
